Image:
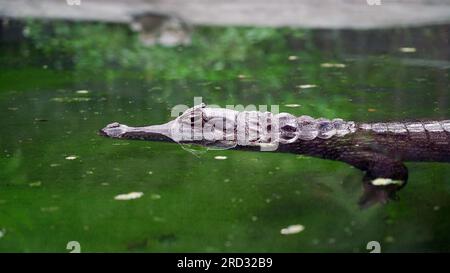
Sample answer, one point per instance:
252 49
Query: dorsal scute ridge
407 127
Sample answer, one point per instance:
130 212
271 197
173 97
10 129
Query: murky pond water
59 179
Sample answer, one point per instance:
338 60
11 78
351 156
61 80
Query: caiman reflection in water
378 149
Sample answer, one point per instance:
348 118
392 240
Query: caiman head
197 125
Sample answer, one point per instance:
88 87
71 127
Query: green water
58 178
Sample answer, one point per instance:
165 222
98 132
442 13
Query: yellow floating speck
293 229
330 65
407 49
129 196
292 105
307 86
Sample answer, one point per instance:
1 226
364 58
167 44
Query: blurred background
68 68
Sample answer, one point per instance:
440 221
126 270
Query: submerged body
379 149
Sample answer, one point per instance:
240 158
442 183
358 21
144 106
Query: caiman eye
192 118
196 120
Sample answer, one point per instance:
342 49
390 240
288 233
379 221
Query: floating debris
436 208
150 172
13 108
371 110
53 165
35 184
254 218
389 239
293 229
292 105
331 65
49 209
2 233
66 99
82 91
220 157
121 144
155 196
407 49
158 219
386 181
105 184
306 86
292 58
71 157
242 76
129 196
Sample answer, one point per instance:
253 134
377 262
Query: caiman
378 149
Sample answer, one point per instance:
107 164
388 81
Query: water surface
58 178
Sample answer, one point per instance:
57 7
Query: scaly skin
379 149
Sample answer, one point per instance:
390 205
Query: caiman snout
113 125
114 130
154 132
